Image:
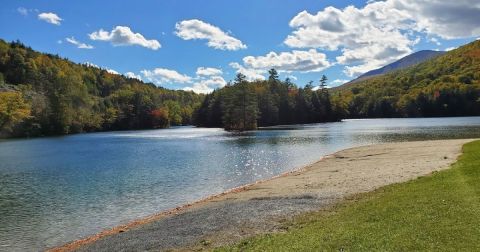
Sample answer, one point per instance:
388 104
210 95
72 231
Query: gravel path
262 207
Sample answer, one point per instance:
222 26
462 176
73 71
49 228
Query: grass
440 212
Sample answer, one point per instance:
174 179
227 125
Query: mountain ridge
447 85
407 61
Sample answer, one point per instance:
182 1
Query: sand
263 207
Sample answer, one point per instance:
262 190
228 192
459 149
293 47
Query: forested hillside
409 60
247 105
448 85
43 94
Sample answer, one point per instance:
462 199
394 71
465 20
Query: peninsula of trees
247 105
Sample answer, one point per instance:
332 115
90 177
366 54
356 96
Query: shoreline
70 246
280 190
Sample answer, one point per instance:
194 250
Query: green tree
13 110
241 106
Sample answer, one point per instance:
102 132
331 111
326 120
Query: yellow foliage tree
13 110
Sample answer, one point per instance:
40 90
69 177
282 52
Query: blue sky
200 45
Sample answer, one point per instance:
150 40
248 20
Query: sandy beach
264 206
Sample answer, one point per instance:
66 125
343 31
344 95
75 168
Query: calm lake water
54 190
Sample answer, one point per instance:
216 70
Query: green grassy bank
440 212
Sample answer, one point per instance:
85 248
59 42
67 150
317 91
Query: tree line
43 94
245 105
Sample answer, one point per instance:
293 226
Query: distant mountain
446 85
410 60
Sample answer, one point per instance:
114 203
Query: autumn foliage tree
67 98
13 111
160 118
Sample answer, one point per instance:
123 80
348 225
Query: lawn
440 212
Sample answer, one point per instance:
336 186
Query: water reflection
53 190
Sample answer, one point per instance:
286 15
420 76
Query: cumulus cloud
382 31
163 75
111 71
123 36
250 73
99 67
338 82
435 41
364 59
50 17
77 43
208 71
303 61
90 64
218 39
447 19
204 86
133 75
206 80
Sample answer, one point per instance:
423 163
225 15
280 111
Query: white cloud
50 17
338 82
199 88
99 67
292 77
208 85
367 39
218 39
250 73
90 64
208 71
111 71
382 31
435 41
451 48
447 19
23 11
123 36
206 80
79 44
163 75
133 75
364 59
303 61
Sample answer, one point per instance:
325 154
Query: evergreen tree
323 83
240 107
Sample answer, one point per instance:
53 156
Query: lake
57 189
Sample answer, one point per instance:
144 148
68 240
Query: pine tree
323 83
240 106
325 98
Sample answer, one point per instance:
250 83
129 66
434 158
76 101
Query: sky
201 45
